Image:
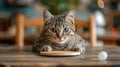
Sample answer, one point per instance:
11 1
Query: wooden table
9 56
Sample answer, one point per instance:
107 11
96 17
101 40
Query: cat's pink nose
59 36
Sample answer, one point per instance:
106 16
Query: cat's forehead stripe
59 20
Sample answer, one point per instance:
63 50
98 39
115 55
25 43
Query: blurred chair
90 32
22 22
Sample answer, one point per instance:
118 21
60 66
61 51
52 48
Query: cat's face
60 28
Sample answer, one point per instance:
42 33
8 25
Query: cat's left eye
66 29
52 30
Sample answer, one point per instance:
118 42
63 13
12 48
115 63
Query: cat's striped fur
59 34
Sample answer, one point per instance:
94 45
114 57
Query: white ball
102 55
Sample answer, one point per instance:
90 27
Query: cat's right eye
52 30
66 29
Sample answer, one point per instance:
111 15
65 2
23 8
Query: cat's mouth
61 41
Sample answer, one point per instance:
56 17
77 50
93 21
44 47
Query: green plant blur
59 6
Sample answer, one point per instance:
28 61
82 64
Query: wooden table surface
9 56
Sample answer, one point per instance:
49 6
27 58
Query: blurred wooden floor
10 56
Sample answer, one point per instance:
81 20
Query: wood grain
10 56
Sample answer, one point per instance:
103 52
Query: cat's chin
60 42
63 41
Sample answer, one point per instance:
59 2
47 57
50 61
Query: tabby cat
59 34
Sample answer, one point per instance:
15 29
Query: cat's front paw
46 48
77 49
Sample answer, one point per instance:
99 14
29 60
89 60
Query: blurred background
107 19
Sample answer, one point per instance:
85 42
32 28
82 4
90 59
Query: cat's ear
70 15
47 15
